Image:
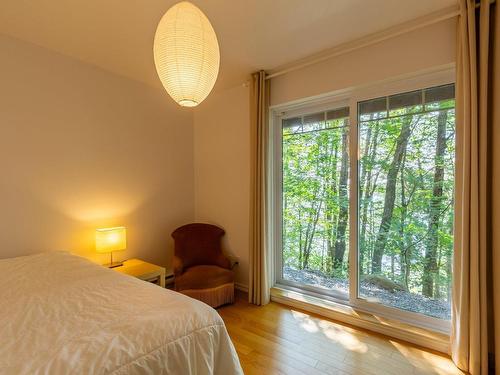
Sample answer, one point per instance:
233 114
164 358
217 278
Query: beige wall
421 49
81 148
222 165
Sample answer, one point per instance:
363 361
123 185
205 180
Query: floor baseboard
241 287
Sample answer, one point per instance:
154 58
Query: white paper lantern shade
186 54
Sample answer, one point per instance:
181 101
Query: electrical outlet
234 260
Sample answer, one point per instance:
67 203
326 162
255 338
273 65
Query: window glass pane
405 212
314 121
410 102
314 118
439 93
408 99
315 202
337 113
292 122
372 109
292 125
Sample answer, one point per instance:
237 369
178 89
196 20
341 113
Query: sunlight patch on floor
334 334
306 323
347 340
425 361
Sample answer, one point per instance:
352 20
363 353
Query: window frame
278 157
337 99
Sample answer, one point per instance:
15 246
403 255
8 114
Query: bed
62 314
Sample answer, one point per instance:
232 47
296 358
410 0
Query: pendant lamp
186 54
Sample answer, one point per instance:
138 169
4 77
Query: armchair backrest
199 244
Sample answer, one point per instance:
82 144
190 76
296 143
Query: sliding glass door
405 200
400 208
315 216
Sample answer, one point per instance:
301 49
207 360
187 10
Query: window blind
409 99
314 118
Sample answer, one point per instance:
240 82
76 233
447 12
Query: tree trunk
437 284
448 269
311 232
365 201
430 263
364 168
402 235
331 218
300 238
315 212
340 242
390 196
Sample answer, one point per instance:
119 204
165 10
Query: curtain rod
374 38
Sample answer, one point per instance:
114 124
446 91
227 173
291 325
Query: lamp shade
110 239
186 54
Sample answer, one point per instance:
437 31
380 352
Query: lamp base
114 264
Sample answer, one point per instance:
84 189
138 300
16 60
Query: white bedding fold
62 314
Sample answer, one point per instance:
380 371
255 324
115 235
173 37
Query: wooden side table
143 270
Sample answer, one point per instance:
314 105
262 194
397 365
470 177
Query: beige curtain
473 338
259 285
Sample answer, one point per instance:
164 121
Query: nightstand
143 270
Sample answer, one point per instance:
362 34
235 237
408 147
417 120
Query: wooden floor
276 339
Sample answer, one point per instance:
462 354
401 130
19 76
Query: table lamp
108 240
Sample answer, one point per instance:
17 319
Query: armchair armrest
223 261
178 266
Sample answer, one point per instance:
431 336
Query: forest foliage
405 194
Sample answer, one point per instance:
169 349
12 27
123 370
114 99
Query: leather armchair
201 269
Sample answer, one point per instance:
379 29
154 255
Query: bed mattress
62 314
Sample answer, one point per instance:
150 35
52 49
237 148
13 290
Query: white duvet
62 314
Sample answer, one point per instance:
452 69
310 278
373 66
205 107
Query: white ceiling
117 35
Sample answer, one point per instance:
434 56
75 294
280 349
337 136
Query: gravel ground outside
400 299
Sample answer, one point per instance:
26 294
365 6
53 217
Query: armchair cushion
202 277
